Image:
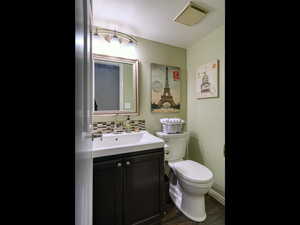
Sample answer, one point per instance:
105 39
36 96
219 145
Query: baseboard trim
217 196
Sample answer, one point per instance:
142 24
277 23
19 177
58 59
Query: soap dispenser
127 124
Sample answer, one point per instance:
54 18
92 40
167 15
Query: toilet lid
193 171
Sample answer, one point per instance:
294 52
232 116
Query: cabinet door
107 193
143 189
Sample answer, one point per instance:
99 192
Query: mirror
115 85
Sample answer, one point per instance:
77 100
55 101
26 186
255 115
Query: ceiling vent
190 15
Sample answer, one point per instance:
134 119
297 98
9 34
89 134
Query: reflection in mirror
115 85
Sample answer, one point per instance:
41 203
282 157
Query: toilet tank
175 145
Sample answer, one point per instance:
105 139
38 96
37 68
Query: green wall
153 52
206 117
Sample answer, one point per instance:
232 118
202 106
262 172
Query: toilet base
191 206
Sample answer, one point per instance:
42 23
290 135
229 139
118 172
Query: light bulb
131 43
114 39
114 43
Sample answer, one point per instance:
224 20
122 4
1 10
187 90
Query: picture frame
207 80
165 88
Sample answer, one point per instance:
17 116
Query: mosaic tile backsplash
108 126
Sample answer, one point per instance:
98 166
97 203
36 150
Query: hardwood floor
214 210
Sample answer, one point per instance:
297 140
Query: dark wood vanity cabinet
107 192
128 189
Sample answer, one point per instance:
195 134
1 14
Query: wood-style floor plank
215 213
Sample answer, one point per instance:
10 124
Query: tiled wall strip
108 126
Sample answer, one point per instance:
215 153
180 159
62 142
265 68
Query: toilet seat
193 172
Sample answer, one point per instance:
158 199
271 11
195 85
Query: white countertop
113 144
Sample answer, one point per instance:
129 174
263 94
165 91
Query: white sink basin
112 144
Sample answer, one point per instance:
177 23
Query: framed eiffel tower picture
165 88
207 80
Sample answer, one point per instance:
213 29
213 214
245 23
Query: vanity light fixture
113 36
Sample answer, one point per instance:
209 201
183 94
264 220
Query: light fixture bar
120 35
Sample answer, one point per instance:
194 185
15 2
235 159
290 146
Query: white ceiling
153 19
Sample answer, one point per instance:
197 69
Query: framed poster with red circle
165 88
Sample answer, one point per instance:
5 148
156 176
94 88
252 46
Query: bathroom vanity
128 179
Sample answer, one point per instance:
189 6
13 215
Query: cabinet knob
127 163
119 164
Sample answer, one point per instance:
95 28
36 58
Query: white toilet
190 180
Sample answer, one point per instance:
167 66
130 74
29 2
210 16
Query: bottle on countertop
127 124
